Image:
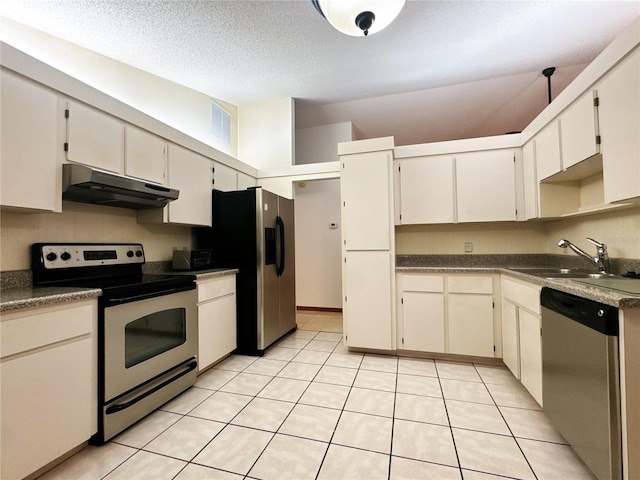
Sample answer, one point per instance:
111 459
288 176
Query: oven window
154 334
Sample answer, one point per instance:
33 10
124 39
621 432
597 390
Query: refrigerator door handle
280 260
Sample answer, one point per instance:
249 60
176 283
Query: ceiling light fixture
355 17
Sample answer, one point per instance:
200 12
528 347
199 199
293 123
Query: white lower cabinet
521 334
470 322
48 385
446 314
217 335
421 315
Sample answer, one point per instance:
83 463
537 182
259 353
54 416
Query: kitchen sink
564 273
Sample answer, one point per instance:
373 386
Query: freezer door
288 277
268 315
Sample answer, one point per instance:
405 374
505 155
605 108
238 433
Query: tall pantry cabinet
368 243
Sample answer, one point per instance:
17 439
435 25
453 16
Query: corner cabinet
368 243
48 384
31 151
521 333
217 336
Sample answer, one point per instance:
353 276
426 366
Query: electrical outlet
468 247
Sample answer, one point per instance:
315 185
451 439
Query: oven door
145 338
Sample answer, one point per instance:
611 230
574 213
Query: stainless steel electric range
147 326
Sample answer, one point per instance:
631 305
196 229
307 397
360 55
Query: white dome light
359 17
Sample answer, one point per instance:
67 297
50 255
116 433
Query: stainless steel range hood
85 184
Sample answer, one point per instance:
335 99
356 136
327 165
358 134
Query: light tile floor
309 409
319 321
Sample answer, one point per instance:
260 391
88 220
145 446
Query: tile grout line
506 423
446 410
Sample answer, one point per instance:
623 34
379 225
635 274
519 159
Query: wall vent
220 126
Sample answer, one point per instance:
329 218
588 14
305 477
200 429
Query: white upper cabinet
95 138
366 194
530 180
578 130
548 152
145 155
30 175
485 184
191 174
427 190
224 178
619 113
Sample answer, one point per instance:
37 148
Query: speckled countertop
28 297
206 274
599 294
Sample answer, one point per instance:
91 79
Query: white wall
320 144
318 257
266 133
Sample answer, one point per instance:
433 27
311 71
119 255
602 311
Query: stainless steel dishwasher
580 378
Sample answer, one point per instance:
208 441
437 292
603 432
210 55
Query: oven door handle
122 406
110 302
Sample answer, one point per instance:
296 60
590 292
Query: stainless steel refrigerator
253 231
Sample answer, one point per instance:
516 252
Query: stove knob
51 256
65 256
138 253
130 253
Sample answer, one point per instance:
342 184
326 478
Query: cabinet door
365 182
191 174
510 338
225 178
30 175
619 115
95 138
423 321
216 330
547 146
47 406
145 155
427 190
486 188
470 324
530 353
530 180
578 129
368 315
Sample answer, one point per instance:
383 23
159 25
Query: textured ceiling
248 51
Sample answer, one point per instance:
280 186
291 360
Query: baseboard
320 309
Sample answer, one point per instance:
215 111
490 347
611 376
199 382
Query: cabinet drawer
524 295
469 284
422 283
26 330
216 287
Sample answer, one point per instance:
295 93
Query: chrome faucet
601 260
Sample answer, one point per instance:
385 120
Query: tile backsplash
79 223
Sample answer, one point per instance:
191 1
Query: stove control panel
69 255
